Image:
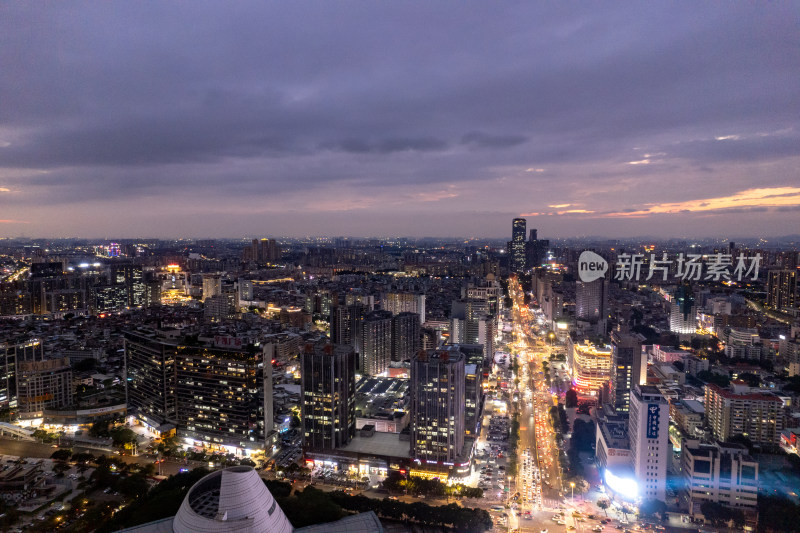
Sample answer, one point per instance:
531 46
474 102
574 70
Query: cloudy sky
225 119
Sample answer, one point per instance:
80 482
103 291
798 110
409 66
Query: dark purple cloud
252 109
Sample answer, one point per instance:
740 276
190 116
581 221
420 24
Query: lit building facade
437 406
217 391
590 366
721 473
328 393
629 365
405 302
648 431
516 246
756 414
683 313
374 342
43 385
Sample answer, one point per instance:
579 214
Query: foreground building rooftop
236 500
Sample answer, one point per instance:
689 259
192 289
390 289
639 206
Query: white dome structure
231 500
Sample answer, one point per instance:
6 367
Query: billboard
653 418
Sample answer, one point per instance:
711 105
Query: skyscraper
591 300
683 313
648 431
437 406
535 250
626 369
516 246
151 381
328 396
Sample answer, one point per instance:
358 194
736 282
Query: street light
572 485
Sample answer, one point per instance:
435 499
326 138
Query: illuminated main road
535 400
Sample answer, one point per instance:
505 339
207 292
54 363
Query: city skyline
673 120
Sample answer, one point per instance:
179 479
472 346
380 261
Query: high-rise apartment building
346 324
374 342
328 392
437 406
782 289
648 431
405 302
212 285
516 246
756 414
406 336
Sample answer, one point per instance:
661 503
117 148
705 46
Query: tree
61 455
741 439
571 398
134 485
603 504
794 460
82 457
122 436
653 508
716 513
85 365
751 379
713 378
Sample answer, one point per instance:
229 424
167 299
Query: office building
648 431
721 473
151 381
437 406
132 278
739 410
629 365
212 285
516 246
222 394
328 396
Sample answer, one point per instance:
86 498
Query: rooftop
382 444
